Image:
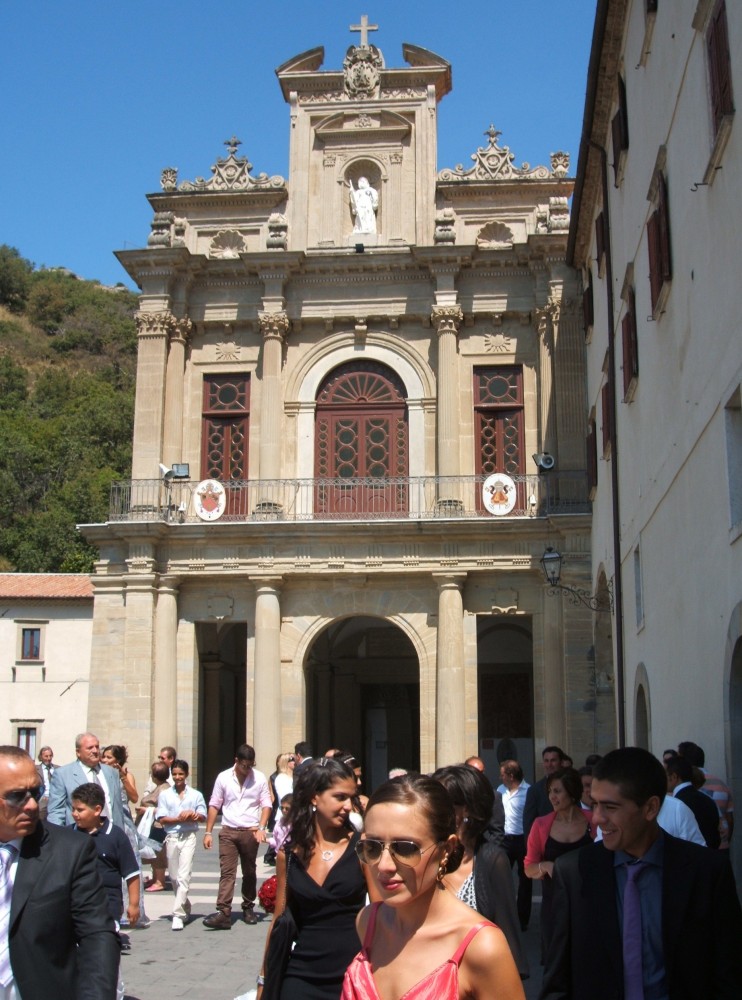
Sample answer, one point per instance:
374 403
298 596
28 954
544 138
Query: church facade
335 524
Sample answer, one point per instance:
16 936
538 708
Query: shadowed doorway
363 694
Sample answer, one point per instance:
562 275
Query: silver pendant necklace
327 855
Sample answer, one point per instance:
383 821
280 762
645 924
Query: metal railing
358 499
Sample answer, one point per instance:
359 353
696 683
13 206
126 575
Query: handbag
283 936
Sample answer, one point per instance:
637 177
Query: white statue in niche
364 203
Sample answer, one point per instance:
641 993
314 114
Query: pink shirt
540 834
241 804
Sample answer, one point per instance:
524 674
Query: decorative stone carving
498 343
395 157
494 163
273 325
278 229
505 602
179 229
362 71
558 215
364 121
495 236
232 174
447 319
169 178
227 245
444 227
227 351
402 93
161 235
155 324
560 164
181 329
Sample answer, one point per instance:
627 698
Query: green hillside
67 372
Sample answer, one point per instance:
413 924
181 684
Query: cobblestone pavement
218 965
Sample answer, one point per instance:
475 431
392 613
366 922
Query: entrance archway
222 721
363 694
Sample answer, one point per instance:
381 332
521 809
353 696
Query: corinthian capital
273 325
181 329
155 324
447 319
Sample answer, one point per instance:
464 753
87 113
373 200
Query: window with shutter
592 458
607 415
225 426
600 243
620 133
658 247
588 307
630 348
720 67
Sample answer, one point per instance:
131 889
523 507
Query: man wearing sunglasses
56 937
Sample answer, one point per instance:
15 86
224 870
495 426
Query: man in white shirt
513 790
243 795
180 809
45 768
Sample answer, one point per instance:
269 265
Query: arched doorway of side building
363 694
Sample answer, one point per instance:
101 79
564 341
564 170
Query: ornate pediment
231 173
495 163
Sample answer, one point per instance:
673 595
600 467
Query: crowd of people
410 892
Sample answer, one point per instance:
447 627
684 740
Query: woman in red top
408 845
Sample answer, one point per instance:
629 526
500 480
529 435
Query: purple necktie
7 856
633 970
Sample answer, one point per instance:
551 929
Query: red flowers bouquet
267 894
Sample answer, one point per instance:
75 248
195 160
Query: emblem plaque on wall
209 500
498 494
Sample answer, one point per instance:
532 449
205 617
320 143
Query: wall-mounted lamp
551 563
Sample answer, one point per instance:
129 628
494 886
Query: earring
442 870
314 809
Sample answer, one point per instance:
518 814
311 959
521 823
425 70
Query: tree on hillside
15 278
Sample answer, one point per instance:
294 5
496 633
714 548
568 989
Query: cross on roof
364 27
232 144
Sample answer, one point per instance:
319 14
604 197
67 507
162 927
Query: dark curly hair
431 799
118 752
471 789
313 779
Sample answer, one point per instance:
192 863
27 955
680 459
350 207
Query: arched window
361 441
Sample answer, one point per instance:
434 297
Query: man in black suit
683 943
56 937
537 797
680 786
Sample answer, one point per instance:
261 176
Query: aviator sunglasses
404 852
20 796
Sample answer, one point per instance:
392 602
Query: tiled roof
36 586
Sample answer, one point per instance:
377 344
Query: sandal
155 887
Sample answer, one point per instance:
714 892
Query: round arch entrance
363 694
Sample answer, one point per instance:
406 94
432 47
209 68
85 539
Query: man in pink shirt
244 798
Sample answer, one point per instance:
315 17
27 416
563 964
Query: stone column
553 679
165 686
546 377
274 326
153 330
450 713
267 692
446 320
136 690
172 447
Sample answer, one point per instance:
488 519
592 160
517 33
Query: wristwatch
262 829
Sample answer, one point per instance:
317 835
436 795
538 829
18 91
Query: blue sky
98 97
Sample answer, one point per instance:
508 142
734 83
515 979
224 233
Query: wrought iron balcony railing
358 499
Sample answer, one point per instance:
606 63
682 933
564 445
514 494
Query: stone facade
664 365
342 390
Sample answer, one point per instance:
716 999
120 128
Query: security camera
544 461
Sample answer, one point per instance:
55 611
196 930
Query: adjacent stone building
656 231
334 525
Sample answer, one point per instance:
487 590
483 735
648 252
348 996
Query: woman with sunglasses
321 881
483 878
420 941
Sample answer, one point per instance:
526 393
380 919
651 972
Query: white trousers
181 849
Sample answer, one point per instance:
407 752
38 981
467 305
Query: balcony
426 498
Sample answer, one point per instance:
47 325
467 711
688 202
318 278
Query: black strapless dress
554 849
326 920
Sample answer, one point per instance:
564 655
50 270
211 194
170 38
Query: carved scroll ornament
495 163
